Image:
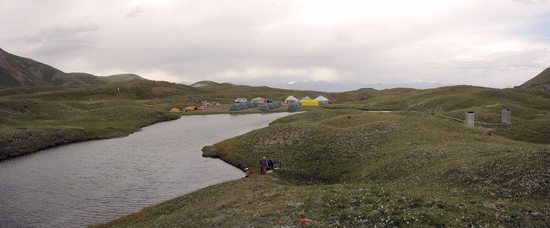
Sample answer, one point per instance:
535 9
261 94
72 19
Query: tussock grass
340 165
353 168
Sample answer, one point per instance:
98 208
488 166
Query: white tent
322 100
306 98
258 100
291 99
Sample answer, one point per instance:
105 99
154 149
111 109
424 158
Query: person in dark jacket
263 165
270 164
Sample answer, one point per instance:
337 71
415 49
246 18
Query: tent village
196 104
263 104
266 104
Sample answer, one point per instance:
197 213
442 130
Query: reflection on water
97 181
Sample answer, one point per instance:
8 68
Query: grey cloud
135 12
531 2
63 40
267 41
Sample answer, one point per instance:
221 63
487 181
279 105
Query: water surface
97 181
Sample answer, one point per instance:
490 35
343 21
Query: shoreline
77 140
85 135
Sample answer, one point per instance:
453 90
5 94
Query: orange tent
190 108
175 110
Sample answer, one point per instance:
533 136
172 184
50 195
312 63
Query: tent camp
322 100
291 99
259 100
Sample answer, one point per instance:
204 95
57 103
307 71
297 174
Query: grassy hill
38 117
353 168
34 118
541 81
17 71
530 108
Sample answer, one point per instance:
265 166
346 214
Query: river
97 181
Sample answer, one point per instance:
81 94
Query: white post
470 119
506 114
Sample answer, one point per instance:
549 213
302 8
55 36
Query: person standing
263 165
270 164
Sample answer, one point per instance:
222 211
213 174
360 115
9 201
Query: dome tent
264 107
293 106
175 110
235 107
291 99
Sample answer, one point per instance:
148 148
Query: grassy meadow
342 165
34 118
348 167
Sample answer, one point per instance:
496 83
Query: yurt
291 99
258 100
322 100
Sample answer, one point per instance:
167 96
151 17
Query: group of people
265 165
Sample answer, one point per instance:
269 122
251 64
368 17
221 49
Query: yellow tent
175 110
309 103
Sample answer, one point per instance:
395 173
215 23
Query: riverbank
352 168
90 182
63 124
47 124
36 118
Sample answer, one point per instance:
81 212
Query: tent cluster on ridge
307 101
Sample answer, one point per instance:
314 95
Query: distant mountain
204 84
343 87
541 81
16 71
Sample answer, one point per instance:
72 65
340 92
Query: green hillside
354 168
542 78
530 108
38 117
539 82
34 118
16 71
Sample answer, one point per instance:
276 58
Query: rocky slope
16 71
541 81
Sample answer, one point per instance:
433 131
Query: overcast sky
494 43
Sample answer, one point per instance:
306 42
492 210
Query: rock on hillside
16 71
541 81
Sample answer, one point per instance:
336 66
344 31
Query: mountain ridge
539 82
17 71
